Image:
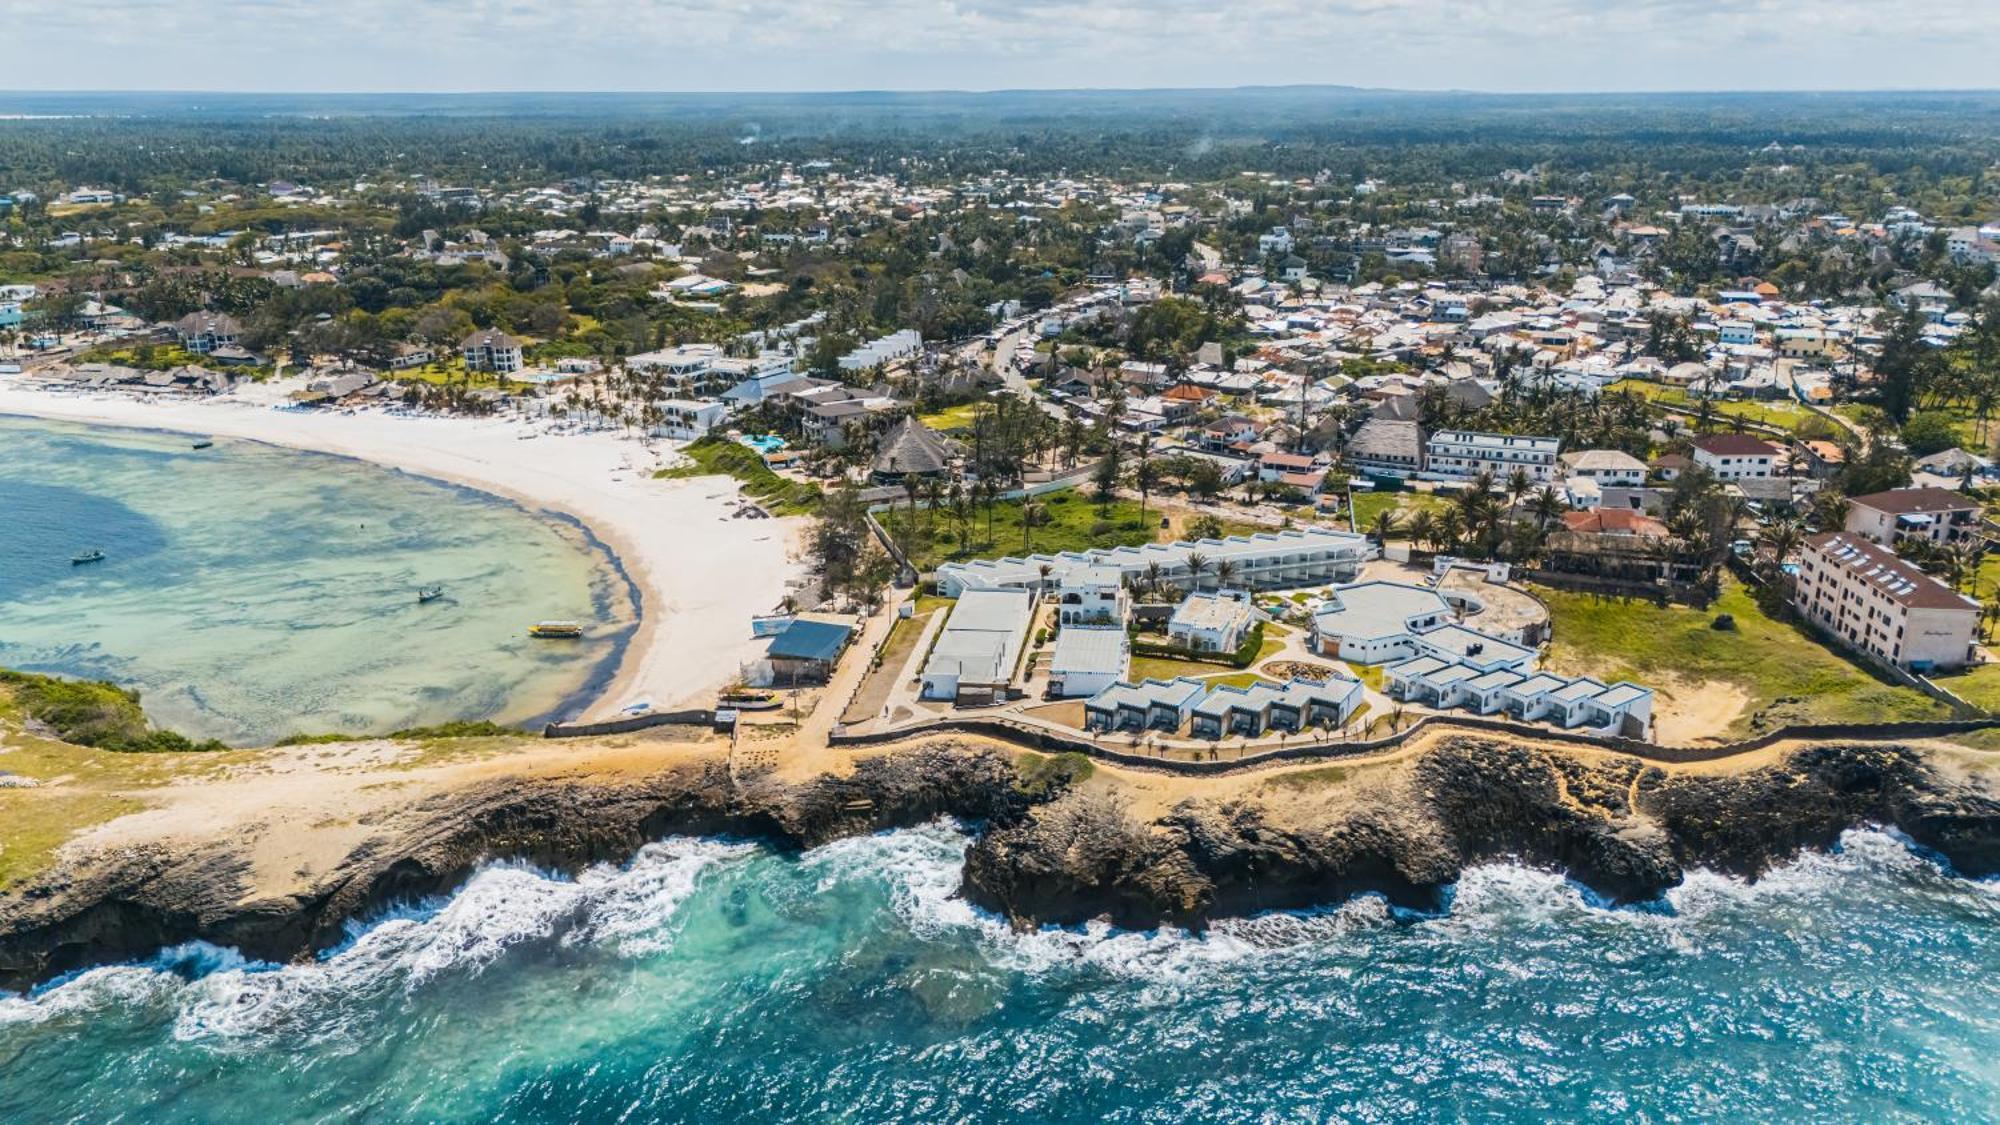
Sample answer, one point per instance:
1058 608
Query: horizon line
1003 90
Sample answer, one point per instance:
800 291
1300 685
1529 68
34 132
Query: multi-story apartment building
1883 606
205 332
1934 514
1735 456
490 349
1464 454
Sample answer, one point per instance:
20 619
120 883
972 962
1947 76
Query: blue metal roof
810 640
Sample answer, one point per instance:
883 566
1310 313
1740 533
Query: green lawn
1979 687
951 417
1784 415
1372 676
1075 523
1770 660
1368 505
717 456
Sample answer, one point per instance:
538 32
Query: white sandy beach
700 574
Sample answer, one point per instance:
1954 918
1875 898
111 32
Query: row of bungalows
1218 711
1270 560
1623 708
1290 707
1149 705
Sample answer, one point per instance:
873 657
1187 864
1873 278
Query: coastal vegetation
1044 775
965 527
464 728
1783 673
715 455
93 713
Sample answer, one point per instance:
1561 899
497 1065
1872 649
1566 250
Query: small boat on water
204 445
555 630
90 556
429 594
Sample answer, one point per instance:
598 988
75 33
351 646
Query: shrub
96 714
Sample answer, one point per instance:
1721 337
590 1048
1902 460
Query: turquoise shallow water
715 981
250 592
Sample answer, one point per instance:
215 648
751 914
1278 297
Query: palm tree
1225 571
1783 538
961 513
1143 475
1155 577
1547 506
1518 485
1044 571
1384 524
1196 564
1031 514
1450 529
911 486
1423 527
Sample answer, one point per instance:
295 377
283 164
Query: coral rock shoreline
1047 853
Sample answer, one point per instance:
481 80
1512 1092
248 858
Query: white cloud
985 44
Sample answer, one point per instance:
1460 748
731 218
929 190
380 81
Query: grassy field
1784 415
1368 505
79 787
1979 687
716 456
951 417
1074 523
1167 668
1777 665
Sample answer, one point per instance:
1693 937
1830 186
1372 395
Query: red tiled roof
1909 501
1735 445
1614 521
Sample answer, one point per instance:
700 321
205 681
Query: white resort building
978 654
1092 595
1300 557
1088 659
1464 454
1212 622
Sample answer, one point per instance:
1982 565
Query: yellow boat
556 630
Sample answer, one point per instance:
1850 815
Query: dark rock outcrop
131 904
1064 854
1616 824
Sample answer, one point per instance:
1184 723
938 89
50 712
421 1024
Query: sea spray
728 981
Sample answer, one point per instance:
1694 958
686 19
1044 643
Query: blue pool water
720 982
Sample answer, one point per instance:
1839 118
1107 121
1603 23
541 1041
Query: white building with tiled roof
1875 602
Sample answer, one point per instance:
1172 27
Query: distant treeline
140 142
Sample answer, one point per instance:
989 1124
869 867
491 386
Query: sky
787 45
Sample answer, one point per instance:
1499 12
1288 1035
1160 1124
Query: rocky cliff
1050 850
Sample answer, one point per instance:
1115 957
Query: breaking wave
725 980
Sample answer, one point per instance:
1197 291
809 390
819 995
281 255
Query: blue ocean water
721 982
250 592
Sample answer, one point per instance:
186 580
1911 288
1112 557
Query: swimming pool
765 444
